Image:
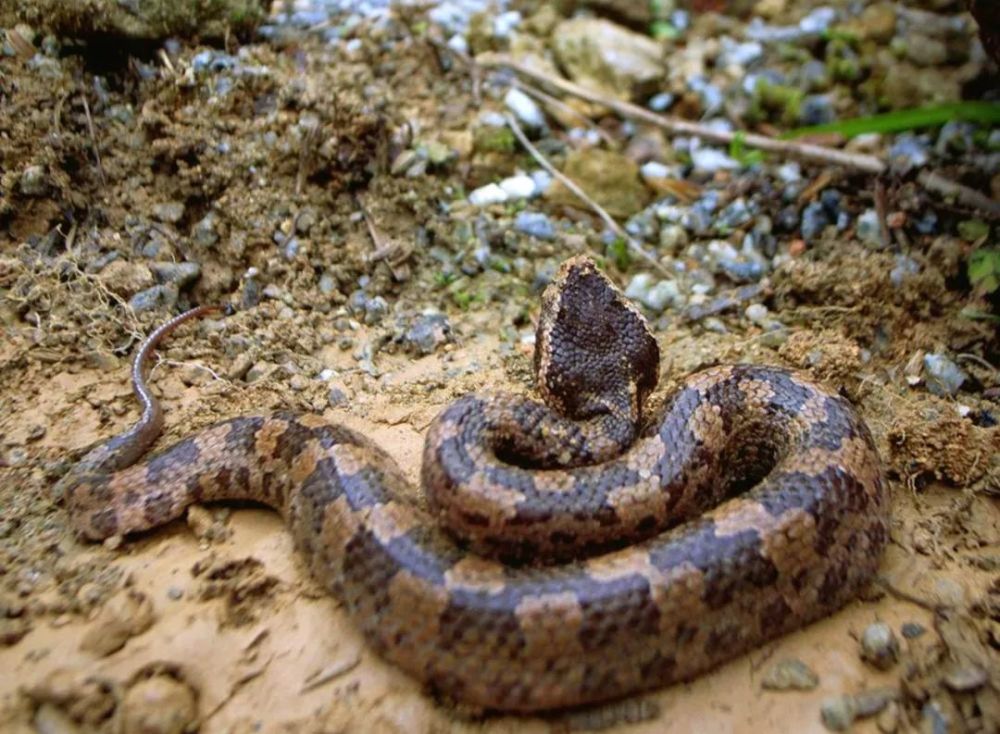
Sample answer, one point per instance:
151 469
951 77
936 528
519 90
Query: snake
564 552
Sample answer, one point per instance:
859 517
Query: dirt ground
213 623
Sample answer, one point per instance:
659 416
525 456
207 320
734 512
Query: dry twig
611 224
789 148
93 139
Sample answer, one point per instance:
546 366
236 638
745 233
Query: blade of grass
984 113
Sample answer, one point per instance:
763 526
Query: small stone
879 646
170 212
175 593
337 396
963 678
869 703
815 219
739 54
936 718
757 313
655 296
817 109
710 160
181 274
912 630
158 705
260 371
869 229
487 195
205 232
838 713
525 109
909 152
942 376
155 298
518 187
905 267
33 181
427 333
535 224
661 102
791 674
672 238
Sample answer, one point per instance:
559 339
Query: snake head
594 352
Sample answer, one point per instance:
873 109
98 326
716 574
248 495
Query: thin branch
93 139
611 224
803 151
566 109
962 194
675 126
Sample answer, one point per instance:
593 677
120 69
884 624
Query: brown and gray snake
564 555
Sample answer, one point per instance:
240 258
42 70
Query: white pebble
521 186
524 108
488 194
757 313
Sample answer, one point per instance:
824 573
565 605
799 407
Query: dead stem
93 139
803 151
611 224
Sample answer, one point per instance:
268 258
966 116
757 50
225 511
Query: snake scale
565 554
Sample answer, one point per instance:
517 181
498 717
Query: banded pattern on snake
564 555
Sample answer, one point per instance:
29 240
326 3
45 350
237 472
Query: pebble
205 231
736 214
535 224
661 102
181 274
935 719
672 238
655 295
912 630
710 160
33 181
869 230
337 396
942 376
838 712
817 109
869 703
964 678
879 646
525 109
739 54
909 152
158 705
815 219
169 212
757 313
162 296
790 172
260 371
790 675
487 195
521 186
427 333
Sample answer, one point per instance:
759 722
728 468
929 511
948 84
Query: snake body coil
563 558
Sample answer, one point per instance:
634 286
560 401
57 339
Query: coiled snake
563 555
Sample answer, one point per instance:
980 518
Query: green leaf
973 230
738 151
662 30
618 252
984 113
984 269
